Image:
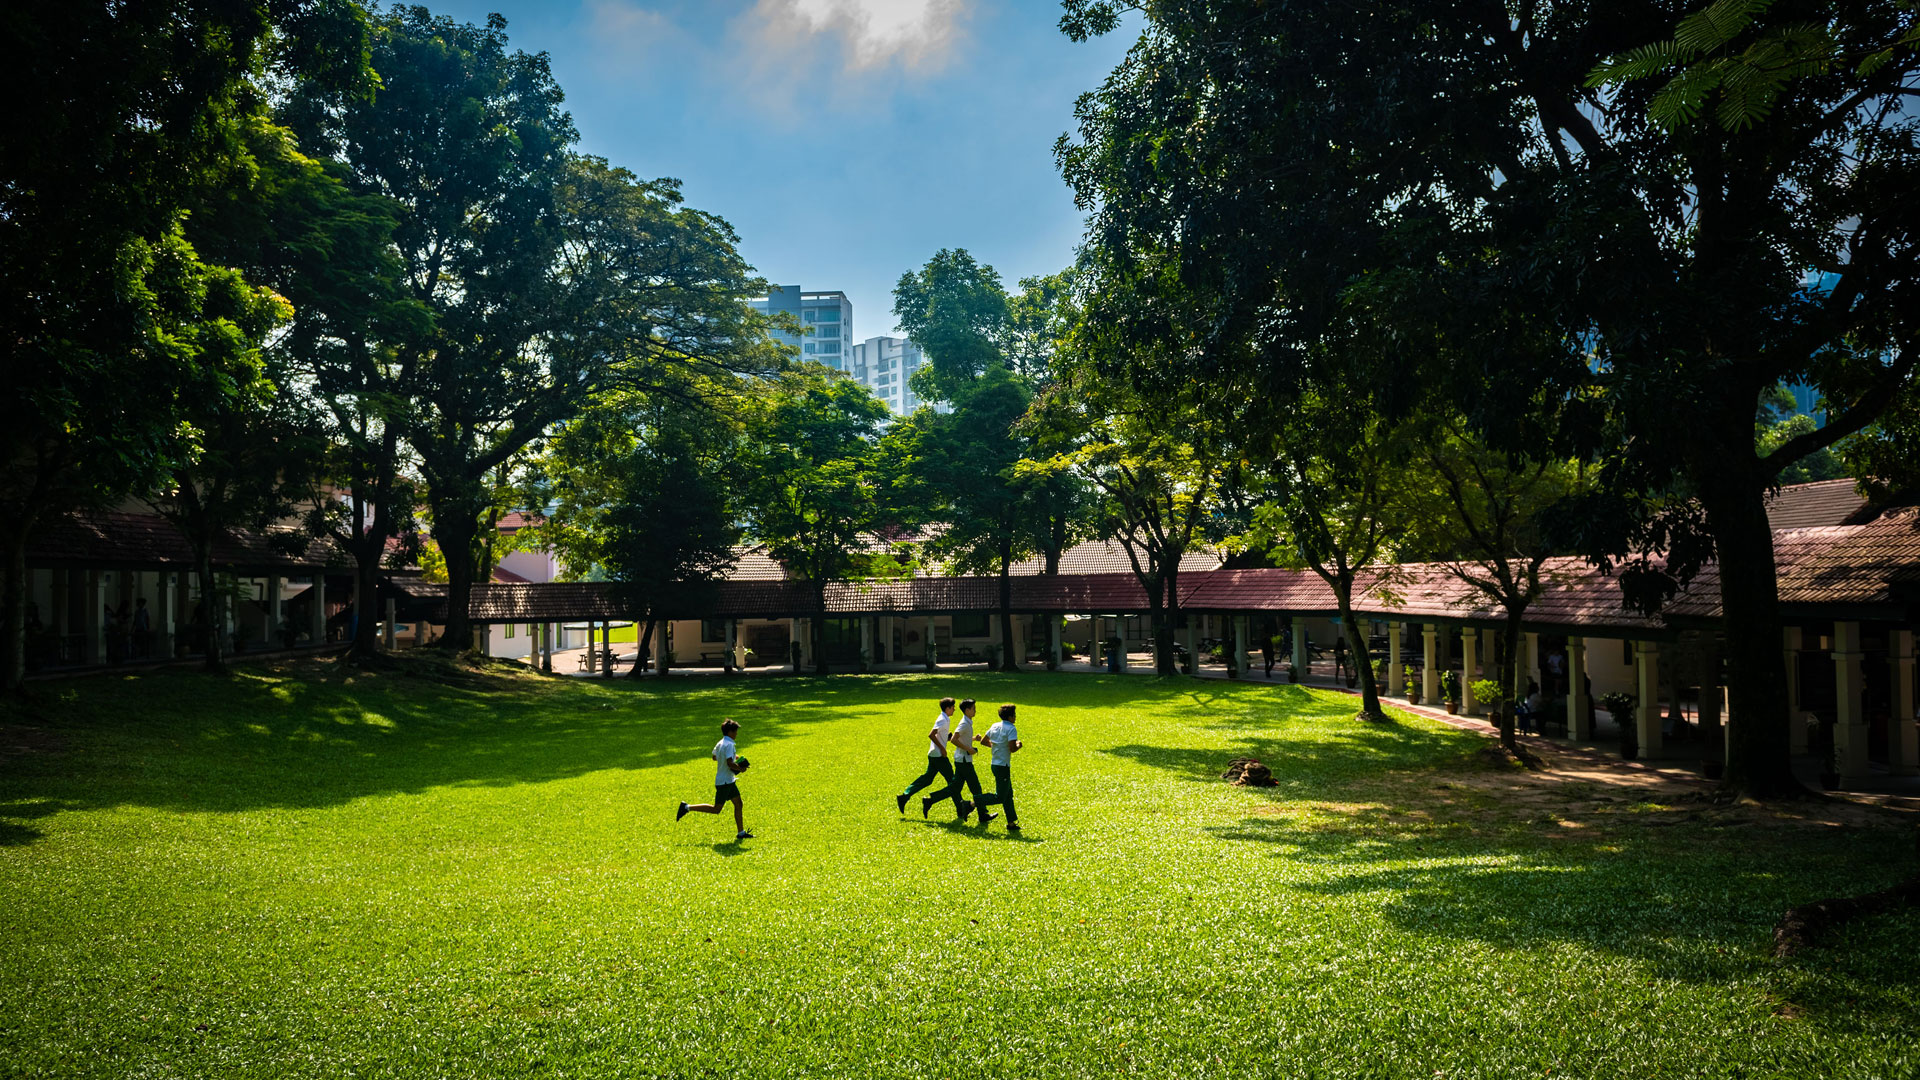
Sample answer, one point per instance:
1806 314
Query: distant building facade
828 314
883 364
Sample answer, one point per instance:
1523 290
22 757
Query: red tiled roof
132 540
1823 502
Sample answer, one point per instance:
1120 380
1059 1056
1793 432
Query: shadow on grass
1692 909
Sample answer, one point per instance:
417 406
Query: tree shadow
1689 906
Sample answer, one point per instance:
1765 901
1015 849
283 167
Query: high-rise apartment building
828 314
883 364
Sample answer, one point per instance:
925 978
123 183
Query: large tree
123 117
548 276
1489 169
813 490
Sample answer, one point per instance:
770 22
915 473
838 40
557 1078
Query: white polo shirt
963 739
723 750
938 746
1001 736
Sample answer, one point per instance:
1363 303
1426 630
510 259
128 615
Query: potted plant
1413 688
1489 696
1450 687
1620 707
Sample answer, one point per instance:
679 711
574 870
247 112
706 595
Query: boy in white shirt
1004 739
726 786
964 776
936 759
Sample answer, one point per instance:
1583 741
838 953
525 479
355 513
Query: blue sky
845 140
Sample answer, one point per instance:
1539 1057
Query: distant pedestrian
1340 655
1266 654
726 783
936 760
1004 740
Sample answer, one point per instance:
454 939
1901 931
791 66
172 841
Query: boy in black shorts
726 787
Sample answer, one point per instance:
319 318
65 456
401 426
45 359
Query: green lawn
299 873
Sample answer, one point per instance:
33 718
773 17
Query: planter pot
1830 781
1293 676
1352 683
1413 699
1452 708
1629 750
1713 768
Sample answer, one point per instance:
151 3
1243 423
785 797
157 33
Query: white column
1393 659
606 648
1579 723
886 638
94 607
1120 631
1646 710
733 646
1430 665
1053 638
274 613
317 618
1240 658
166 601
1903 738
1096 642
1469 660
391 614
928 641
1850 718
1796 719
1302 662
866 640
1529 659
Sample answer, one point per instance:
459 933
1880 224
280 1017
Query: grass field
301 873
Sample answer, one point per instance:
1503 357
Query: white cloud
918 35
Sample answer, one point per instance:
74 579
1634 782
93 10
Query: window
713 630
832 347
807 315
828 332
971 626
509 631
831 314
811 348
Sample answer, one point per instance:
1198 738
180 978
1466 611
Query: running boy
1005 740
726 786
963 773
936 760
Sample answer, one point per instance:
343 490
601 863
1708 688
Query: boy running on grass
726 787
936 760
1005 740
964 775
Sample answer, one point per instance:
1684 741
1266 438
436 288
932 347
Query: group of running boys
946 736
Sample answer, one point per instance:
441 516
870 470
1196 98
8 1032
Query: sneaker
901 802
988 815
743 835
926 804
680 813
1011 827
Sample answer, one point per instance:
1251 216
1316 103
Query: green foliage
490 863
956 311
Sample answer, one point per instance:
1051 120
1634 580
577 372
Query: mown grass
301 873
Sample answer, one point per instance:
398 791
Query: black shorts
726 793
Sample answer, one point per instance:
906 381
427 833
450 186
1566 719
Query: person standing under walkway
1340 655
1266 653
936 760
1004 740
726 784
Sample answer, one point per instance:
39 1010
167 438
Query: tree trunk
642 645
13 606
454 530
817 630
1357 646
1006 613
1509 667
215 605
1163 659
366 597
1759 751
